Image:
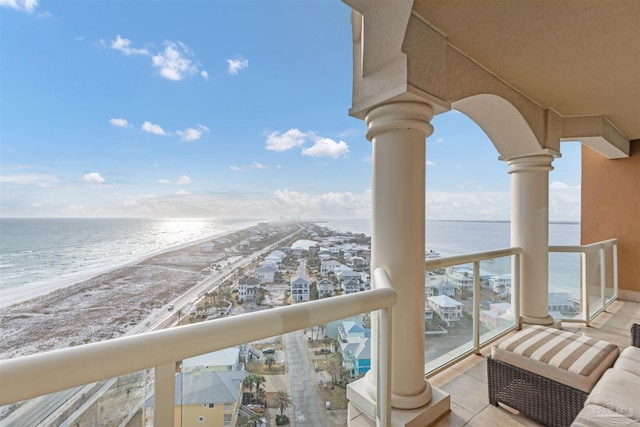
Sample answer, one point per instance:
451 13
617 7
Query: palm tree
282 401
269 361
247 382
259 380
261 396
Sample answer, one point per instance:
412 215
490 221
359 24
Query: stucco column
530 230
397 132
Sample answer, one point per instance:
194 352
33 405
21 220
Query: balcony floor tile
466 381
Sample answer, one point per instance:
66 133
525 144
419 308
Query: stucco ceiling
578 57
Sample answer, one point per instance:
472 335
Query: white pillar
397 132
530 231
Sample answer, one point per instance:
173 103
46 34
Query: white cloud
236 64
325 147
236 168
257 165
130 203
440 140
183 180
286 141
192 134
121 123
24 5
468 205
93 178
164 181
182 193
39 180
173 62
332 204
153 128
124 46
430 163
564 201
559 185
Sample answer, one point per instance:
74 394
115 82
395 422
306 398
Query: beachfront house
300 289
325 288
501 283
247 288
462 283
449 310
346 274
355 346
351 286
204 398
498 315
265 274
328 266
222 360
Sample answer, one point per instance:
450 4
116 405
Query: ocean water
49 249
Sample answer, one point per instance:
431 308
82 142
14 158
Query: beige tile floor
466 381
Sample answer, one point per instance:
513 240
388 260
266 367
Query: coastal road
42 407
307 403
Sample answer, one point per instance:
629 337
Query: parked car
170 307
269 350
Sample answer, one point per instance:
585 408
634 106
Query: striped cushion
565 350
566 357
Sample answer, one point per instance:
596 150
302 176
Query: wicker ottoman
546 373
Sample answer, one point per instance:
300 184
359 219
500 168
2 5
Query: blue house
355 346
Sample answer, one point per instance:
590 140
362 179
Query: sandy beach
103 306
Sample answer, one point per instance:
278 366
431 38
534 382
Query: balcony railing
597 280
596 287
43 373
457 351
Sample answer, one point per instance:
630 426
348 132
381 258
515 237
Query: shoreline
24 293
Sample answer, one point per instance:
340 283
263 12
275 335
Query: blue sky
212 109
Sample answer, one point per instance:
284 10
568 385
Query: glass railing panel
113 402
565 285
609 260
448 314
593 284
497 299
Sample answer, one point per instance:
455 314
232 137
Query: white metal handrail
434 263
43 373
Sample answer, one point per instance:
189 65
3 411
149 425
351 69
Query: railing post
614 255
584 290
603 277
383 390
515 291
164 395
476 307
